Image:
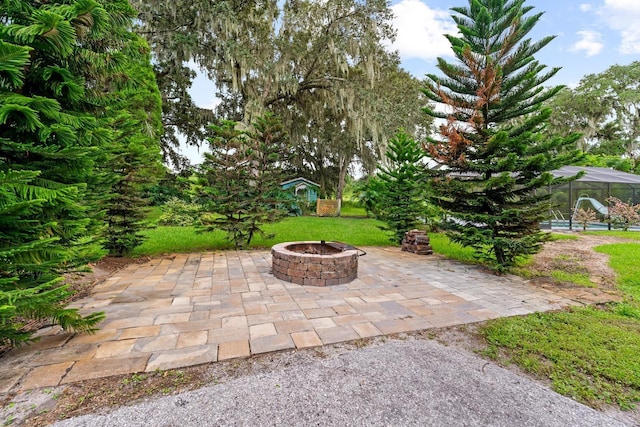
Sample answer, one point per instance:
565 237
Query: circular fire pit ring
314 263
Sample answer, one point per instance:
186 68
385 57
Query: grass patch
623 258
581 279
354 231
351 209
563 236
154 214
164 239
442 245
589 354
564 269
632 235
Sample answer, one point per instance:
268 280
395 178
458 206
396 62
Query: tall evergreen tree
32 256
47 164
135 158
61 67
497 165
51 119
241 178
399 186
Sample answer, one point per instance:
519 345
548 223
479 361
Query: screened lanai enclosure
591 191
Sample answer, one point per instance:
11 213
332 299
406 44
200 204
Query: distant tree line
605 109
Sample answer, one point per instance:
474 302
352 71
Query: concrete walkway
189 309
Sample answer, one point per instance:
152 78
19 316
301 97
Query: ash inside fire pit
313 248
314 263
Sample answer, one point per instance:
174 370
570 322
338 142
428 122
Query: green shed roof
297 181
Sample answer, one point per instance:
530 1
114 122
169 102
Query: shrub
623 215
180 213
584 217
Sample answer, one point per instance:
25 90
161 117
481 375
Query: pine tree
58 64
399 187
497 165
37 139
135 158
32 256
241 178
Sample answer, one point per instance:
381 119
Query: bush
180 213
623 215
584 217
306 207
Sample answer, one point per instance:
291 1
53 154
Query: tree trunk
344 166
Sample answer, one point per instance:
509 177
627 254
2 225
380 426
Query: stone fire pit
314 263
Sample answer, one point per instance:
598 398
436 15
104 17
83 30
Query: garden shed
590 191
303 188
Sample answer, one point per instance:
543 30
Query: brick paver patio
189 309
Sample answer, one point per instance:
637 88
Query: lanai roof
602 175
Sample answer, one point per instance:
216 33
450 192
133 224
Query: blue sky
591 36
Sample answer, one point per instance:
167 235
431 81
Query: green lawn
442 245
354 231
624 259
633 235
353 228
350 209
563 236
590 354
154 214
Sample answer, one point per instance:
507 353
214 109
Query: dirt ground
44 407
578 257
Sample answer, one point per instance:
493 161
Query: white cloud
628 5
623 16
590 42
630 43
586 7
420 30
